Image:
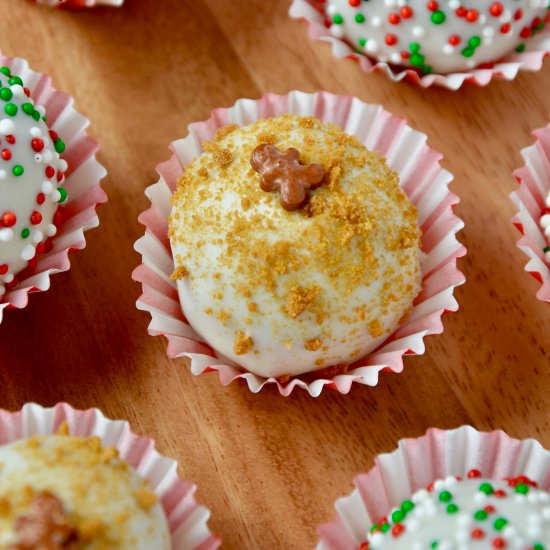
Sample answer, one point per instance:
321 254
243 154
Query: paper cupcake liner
417 463
82 184
79 3
187 520
531 59
534 186
421 177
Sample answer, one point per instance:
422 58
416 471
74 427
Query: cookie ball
295 248
64 492
474 513
32 174
441 37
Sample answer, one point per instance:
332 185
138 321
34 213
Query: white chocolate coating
450 35
461 515
33 196
283 293
107 503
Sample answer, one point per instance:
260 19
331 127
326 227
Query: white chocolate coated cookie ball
282 291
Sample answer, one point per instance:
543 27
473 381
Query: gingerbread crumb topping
299 299
313 344
242 344
179 273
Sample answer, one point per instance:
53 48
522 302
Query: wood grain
269 468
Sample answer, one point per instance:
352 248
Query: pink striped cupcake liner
79 3
78 213
531 59
418 462
422 178
187 519
534 187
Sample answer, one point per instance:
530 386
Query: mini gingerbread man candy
283 171
31 178
45 525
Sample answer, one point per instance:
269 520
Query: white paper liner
531 59
534 186
417 463
187 520
82 184
421 177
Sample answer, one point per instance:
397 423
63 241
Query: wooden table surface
268 467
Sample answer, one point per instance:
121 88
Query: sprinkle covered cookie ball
472 513
437 36
31 179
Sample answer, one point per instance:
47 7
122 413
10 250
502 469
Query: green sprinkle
434 544
474 42
500 524
362 42
522 489
6 94
480 515
407 505
414 47
36 116
546 249
445 496
10 109
426 69
538 546
385 527
63 194
5 70
416 60
398 516
486 488
359 18
468 52
25 233
520 48
28 108
438 17
59 146
452 509
15 80
337 19
17 170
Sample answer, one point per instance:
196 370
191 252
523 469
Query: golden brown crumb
224 131
179 273
375 328
146 499
267 137
242 343
252 307
63 428
90 528
299 299
223 157
222 316
313 344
